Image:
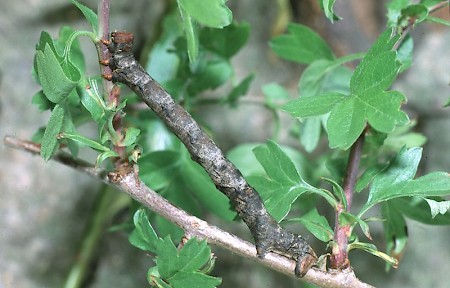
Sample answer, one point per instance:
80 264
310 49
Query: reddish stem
339 257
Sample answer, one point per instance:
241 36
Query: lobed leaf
395 231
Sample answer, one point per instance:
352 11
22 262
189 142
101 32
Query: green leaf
301 45
315 76
240 89
396 181
90 15
274 95
84 141
131 135
405 53
368 176
374 75
310 133
181 269
41 101
395 8
91 99
282 185
417 209
214 13
214 74
438 20
227 41
190 30
395 231
346 218
327 6
372 249
105 155
49 144
198 181
157 169
162 168
438 207
143 236
313 106
338 191
316 224
243 158
416 13
57 81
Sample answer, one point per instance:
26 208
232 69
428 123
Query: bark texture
268 234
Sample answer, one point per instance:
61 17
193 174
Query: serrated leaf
57 82
372 249
214 13
180 269
143 236
282 185
317 224
194 280
49 144
396 232
301 45
396 181
438 207
90 15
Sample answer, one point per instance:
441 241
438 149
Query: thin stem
127 182
339 257
102 49
352 169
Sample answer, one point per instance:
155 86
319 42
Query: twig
127 182
268 234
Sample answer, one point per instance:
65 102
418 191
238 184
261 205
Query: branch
268 234
125 180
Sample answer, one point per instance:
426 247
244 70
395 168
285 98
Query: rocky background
44 207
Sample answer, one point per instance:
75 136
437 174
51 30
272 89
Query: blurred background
45 207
